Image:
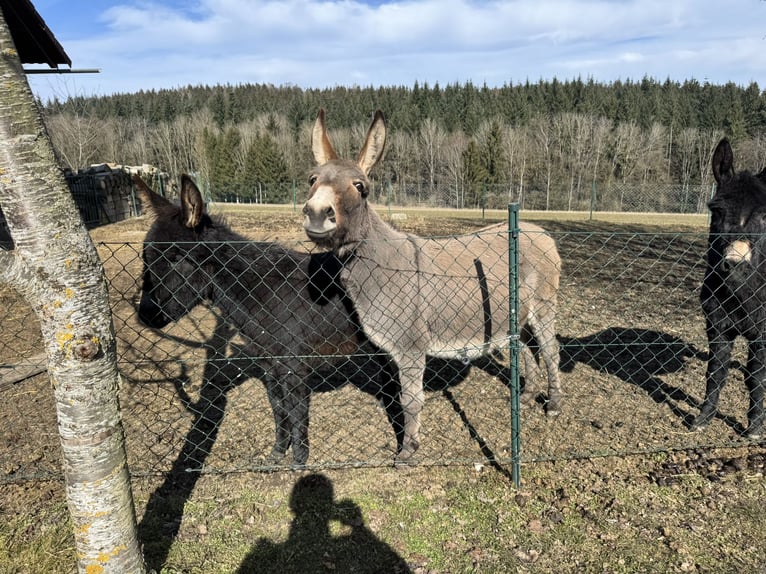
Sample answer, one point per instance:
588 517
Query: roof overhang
34 41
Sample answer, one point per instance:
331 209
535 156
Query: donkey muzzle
737 252
319 222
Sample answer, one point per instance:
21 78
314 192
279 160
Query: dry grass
666 513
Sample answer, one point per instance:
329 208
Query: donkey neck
369 232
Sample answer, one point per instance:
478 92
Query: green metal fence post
514 339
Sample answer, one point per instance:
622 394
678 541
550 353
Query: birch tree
431 138
55 267
540 128
76 138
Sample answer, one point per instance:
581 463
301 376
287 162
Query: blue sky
153 44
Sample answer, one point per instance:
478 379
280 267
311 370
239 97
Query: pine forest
639 145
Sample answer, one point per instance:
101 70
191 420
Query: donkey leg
544 328
754 379
297 399
388 395
717 369
531 376
411 397
275 393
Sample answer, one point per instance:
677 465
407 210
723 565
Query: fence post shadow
311 547
444 374
162 517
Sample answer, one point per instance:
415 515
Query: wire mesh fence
594 196
194 394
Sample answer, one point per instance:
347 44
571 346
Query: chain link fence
620 197
194 394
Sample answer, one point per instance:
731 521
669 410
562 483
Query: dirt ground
633 356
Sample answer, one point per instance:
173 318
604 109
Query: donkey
287 304
446 297
733 293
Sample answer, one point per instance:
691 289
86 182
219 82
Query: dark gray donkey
733 292
287 304
445 297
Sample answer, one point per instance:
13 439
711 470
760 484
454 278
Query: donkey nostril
330 212
305 209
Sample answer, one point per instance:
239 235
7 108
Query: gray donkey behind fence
445 297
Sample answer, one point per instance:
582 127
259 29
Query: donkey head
174 276
738 213
339 187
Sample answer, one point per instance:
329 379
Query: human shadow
639 357
311 546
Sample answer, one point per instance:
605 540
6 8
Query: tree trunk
56 268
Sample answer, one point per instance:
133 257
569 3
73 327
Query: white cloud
314 43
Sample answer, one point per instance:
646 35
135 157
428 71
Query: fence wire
632 349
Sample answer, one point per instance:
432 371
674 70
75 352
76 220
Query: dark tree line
460 144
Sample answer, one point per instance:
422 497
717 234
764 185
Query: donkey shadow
639 357
162 517
310 545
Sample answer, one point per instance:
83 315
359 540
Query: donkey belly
448 300
465 321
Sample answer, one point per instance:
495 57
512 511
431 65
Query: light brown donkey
443 297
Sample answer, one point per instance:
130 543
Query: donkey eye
312 179
359 186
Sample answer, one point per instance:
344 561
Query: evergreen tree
221 150
265 173
475 175
218 108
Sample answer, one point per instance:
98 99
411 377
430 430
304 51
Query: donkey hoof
527 399
406 453
754 434
274 458
553 406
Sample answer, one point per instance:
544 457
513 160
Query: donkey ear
374 144
152 202
723 161
192 205
320 142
